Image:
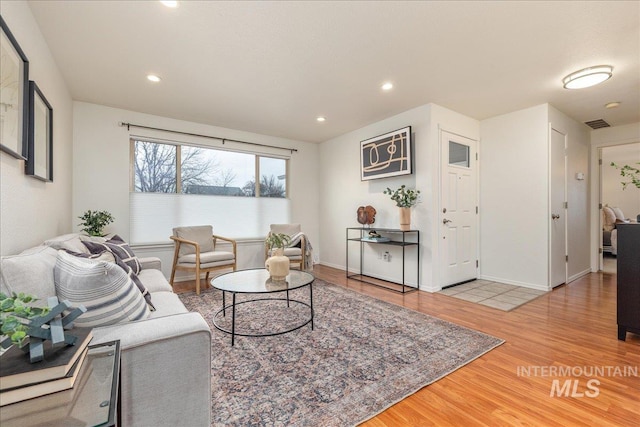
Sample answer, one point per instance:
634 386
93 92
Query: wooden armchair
195 250
296 254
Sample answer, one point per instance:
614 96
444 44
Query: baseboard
579 275
514 282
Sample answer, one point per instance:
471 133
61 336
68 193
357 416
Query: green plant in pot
405 198
277 265
94 222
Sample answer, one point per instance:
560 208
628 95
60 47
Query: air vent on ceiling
597 124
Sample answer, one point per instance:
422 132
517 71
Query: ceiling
273 67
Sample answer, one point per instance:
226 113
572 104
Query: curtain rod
130 125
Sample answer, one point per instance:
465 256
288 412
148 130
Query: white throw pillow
618 213
103 288
609 219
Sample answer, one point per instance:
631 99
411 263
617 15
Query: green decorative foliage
93 222
15 312
404 198
277 240
630 172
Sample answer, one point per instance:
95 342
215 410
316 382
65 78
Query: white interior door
558 209
458 215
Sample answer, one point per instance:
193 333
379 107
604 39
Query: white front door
558 210
458 221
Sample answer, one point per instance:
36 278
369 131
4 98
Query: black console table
397 237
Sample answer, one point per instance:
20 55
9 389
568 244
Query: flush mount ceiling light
321 119
153 78
170 3
387 86
614 104
588 77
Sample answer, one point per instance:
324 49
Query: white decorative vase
277 265
405 219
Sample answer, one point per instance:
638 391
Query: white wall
513 197
627 199
31 210
101 170
342 192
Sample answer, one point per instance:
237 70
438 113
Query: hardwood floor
573 326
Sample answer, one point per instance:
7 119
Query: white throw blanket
308 249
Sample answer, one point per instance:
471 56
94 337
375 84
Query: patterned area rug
363 356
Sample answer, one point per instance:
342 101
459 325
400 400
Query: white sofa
165 359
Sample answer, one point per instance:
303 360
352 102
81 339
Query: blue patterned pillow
120 250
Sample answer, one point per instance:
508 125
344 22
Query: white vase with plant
405 199
277 264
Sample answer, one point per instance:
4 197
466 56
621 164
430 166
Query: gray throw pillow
106 291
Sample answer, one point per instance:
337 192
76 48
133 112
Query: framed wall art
14 92
40 136
386 155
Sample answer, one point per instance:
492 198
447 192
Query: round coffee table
258 281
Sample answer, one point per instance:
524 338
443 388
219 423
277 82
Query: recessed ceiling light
321 119
153 78
588 77
612 105
169 3
387 86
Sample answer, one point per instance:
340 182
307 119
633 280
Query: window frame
178 164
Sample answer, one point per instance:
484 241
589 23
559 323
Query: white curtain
153 215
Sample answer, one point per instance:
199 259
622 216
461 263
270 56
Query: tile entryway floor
493 294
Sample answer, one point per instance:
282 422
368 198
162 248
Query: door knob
445 221
555 216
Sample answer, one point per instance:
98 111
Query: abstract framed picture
14 93
386 155
40 136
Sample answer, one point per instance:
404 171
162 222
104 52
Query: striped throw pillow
106 291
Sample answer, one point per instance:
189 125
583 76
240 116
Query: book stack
21 380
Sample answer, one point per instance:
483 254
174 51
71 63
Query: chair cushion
103 288
120 250
291 252
207 257
201 234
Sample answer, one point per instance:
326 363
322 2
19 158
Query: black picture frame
39 162
14 95
386 155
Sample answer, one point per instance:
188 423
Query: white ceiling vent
597 124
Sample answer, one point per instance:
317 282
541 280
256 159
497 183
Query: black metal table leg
311 302
224 304
287 298
233 319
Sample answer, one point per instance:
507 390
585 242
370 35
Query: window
458 154
157 167
176 184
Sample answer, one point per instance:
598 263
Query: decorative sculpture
50 326
366 215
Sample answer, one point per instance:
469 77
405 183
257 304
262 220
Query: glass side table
93 400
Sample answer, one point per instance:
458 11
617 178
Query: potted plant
405 199
277 265
93 222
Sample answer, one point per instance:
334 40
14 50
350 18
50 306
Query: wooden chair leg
206 280
197 279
